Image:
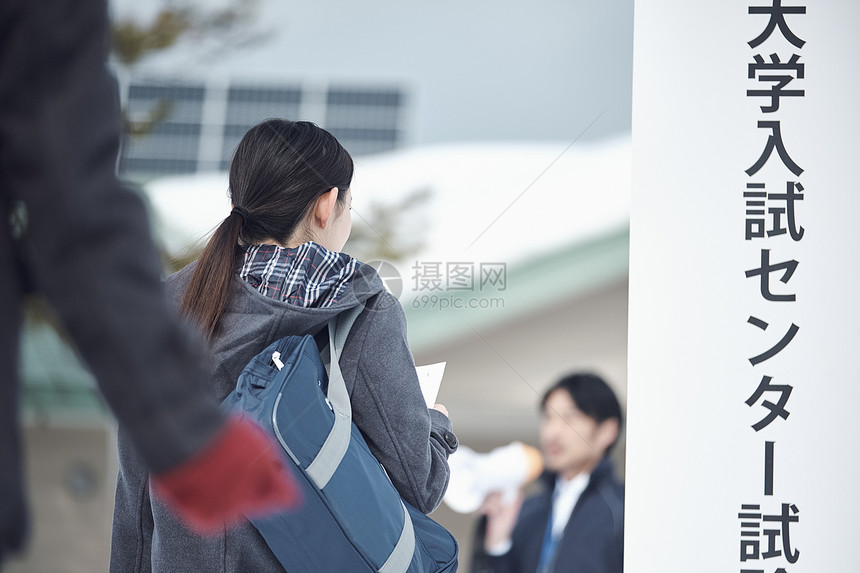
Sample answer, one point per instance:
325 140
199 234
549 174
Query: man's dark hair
592 395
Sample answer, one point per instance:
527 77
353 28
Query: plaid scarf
308 275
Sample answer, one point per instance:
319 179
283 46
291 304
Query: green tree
234 25
176 21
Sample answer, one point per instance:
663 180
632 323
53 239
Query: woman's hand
441 408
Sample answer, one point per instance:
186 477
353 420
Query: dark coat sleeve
526 539
87 246
592 542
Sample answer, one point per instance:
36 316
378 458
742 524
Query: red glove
239 473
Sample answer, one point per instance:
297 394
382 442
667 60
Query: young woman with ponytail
273 268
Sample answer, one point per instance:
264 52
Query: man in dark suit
71 232
576 523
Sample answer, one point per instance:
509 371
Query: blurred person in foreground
576 523
71 232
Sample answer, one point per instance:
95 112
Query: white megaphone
474 475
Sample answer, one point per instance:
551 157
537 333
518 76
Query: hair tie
242 213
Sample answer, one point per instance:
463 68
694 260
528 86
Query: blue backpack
352 519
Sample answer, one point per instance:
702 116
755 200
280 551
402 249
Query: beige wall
71 474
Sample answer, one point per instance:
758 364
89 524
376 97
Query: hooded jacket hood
254 320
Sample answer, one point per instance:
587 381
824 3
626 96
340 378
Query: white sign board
744 352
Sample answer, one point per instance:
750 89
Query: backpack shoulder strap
338 331
342 326
337 442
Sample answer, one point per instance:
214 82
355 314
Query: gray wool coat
410 441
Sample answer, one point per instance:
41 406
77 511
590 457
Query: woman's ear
324 210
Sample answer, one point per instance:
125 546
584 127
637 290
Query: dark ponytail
207 293
279 170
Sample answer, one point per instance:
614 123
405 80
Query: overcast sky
476 70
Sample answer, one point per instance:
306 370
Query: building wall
71 477
195 126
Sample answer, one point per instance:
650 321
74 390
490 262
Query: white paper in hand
430 378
